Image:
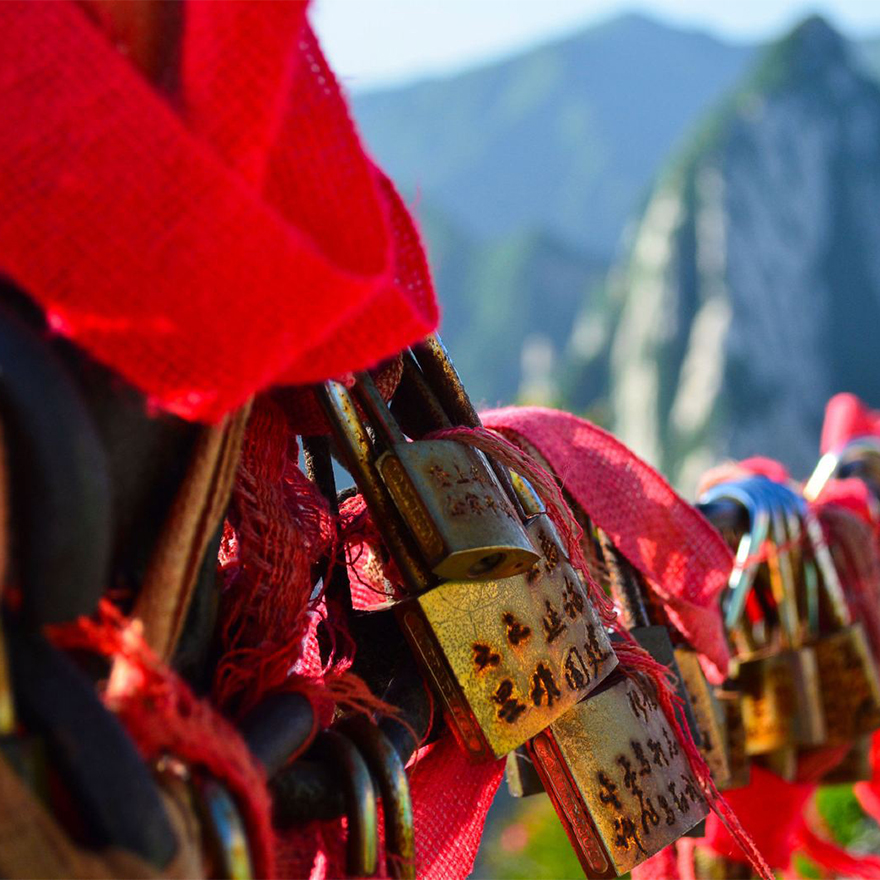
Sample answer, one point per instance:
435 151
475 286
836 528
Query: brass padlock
450 499
738 760
709 716
510 656
618 778
848 676
811 726
701 714
506 655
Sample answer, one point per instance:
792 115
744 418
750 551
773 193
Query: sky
385 42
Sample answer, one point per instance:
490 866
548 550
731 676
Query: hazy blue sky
375 41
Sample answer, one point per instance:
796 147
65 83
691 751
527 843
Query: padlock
777 674
739 764
450 499
506 655
765 693
618 777
631 593
708 713
848 676
811 726
510 656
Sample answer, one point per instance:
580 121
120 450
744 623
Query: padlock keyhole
486 564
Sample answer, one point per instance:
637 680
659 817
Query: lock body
810 726
618 778
655 640
738 760
509 656
768 698
708 714
451 501
848 683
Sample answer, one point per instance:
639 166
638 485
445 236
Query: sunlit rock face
751 287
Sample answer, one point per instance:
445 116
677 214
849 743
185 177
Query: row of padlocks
504 629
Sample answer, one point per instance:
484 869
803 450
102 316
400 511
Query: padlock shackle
528 497
829 580
388 432
419 394
359 793
782 580
862 448
795 508
357 452
437 367
819 551
742 575
224 829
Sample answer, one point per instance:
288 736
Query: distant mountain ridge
526 175
751 289
564 138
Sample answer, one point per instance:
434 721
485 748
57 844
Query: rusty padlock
848 676
506 655
618 777
702 714
447 494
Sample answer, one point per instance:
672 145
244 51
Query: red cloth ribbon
846 417
661 534
204 251
771 810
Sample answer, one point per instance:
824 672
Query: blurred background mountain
673 234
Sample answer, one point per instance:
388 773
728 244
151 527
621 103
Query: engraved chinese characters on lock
453 504
849 684
618 778
511 655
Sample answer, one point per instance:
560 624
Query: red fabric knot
246 242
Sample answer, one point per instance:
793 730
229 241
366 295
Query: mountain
508 306
750 290
526 172
564 138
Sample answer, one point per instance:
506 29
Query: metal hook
360 801
388 770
